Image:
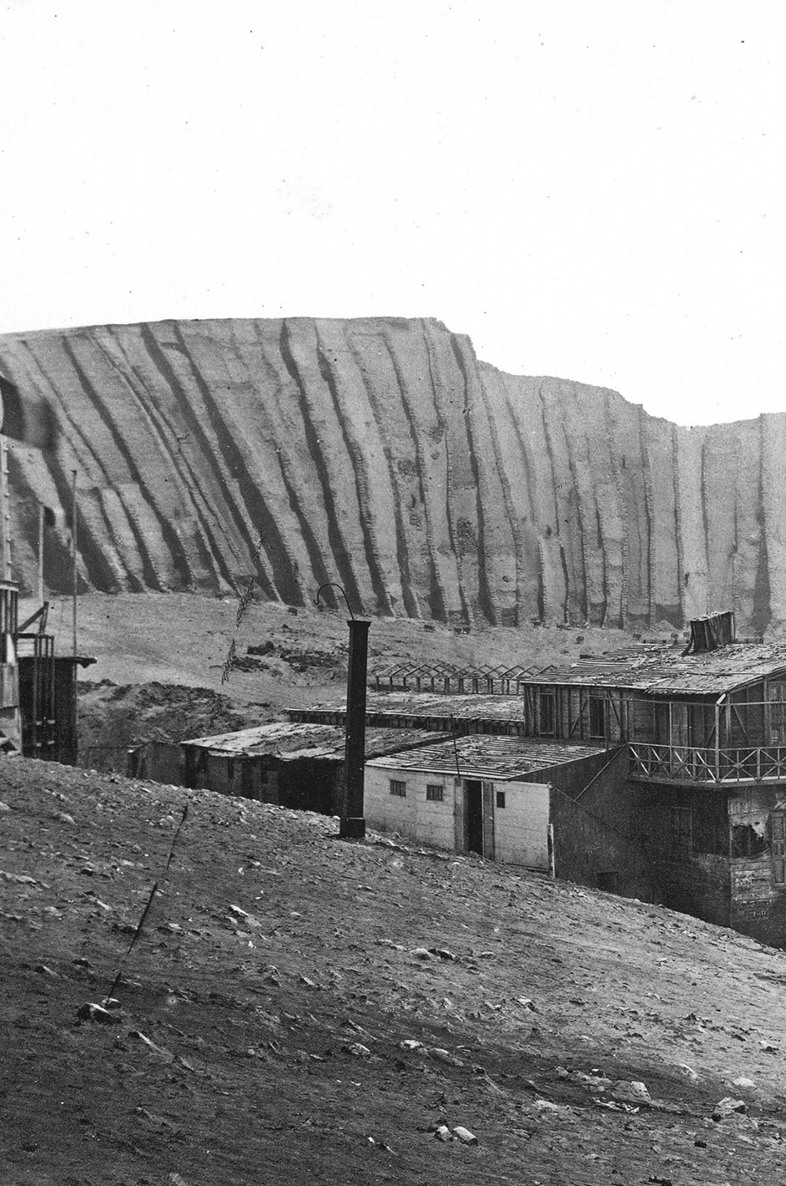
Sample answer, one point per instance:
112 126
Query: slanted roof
442 706
670 672
288 741
484 756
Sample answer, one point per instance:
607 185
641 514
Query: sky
591 189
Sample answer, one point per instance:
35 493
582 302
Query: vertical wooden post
352 824
75 574
5 513
40 554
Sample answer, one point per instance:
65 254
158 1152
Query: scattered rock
357 1050
464 1135
4 807
727 1107
443 1133
445 1056
631 1090
92 1012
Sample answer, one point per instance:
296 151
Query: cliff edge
381 454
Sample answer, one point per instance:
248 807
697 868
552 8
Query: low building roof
485 756
288 741
466 706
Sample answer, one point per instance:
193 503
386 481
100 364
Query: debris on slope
278 1018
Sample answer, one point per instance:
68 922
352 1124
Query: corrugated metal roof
483 756
288 741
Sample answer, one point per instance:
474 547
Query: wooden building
293 765
511 800
699 818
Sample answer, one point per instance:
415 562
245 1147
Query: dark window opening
398 788
435 792
500 798
230 768
597 717
747 842
547 713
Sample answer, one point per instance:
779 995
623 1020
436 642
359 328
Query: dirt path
303 1009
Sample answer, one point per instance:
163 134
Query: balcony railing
685 763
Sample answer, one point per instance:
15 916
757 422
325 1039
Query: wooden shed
294 765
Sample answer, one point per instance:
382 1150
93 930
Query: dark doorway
473 791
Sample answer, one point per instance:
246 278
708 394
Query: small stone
422 953
443 1133
358 1050
633 1090
65 818
445 1056
93 1012
743 1082
4 807
45 971
464 1135
727 1107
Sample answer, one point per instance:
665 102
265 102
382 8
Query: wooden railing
684 763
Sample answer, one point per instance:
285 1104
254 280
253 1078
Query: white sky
593 190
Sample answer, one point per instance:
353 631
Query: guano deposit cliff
381 454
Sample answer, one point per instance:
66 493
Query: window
680 833
747 841
597 717
500 798
398 788
547 713
230 769
435 792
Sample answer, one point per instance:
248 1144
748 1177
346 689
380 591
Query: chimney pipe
352 825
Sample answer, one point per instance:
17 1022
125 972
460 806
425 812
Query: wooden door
488 820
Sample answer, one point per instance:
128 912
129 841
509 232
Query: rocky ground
299 1008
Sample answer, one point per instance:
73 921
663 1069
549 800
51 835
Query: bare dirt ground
299 1008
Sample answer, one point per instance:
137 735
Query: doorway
473 789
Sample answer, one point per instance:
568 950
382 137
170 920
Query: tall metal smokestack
352 823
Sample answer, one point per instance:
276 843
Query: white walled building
478 793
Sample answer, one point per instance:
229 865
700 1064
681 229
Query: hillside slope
302 1009
381 454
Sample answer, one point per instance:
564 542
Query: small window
500 798
597 717
398 788
230 768
547 713
435 792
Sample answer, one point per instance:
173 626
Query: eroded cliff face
382 455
